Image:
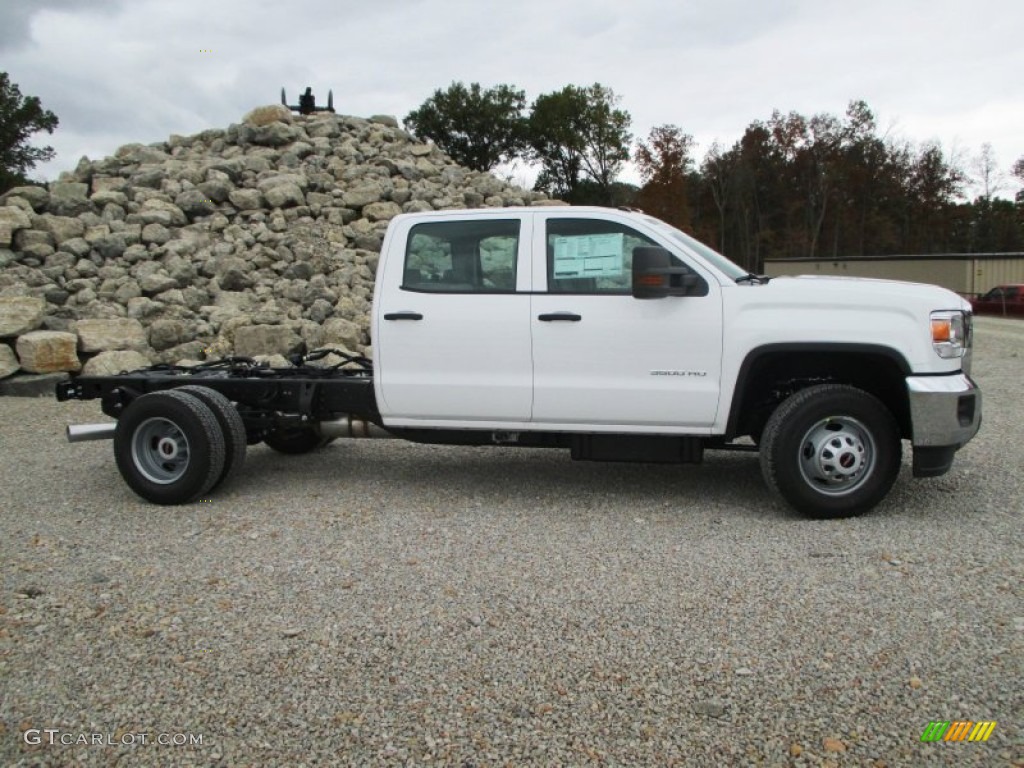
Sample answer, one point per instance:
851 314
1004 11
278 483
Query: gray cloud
117 72
16 16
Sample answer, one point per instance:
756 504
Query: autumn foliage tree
824 185
665 163
20 117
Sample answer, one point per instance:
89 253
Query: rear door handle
403 316
571 317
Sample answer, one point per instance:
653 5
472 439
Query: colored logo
958 730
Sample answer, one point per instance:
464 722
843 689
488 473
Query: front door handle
403 316
571 317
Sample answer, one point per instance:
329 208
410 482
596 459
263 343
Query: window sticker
588 256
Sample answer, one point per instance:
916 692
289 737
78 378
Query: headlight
950 333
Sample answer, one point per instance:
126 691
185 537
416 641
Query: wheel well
769 377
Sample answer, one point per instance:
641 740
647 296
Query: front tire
831 451
169 447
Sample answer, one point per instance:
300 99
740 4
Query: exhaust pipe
80 433
350 426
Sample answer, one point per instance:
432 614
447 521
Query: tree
606 136
579 134
831 185
20 117
555 125
935 181
664 163
477 128
718 177
988 177
1018 171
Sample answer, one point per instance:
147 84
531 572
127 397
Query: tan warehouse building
966 273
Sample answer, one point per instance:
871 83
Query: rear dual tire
231 425
172 447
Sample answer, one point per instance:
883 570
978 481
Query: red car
1001 300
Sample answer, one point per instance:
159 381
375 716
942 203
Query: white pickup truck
603 331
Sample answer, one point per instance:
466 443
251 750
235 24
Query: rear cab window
462 256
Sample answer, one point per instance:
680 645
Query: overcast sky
121 71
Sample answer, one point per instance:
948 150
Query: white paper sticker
588 256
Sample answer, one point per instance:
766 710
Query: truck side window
592 255
462 257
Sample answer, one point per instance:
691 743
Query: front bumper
945 413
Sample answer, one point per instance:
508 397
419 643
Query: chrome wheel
160 450
837 455
831 451
169 447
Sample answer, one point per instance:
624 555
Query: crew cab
602 331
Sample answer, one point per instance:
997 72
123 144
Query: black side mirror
650 272
654 277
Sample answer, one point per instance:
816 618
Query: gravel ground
382 603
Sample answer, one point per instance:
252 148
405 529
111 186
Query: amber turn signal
941 330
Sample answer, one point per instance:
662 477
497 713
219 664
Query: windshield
710 255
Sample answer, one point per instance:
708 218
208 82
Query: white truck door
604 360
451 325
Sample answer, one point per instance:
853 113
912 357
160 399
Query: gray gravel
382 603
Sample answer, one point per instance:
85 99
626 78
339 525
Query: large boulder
8 361
381 211
108 184
155 210
339 331
140 153
195 202
37 197
69 198
272 113
62 228
26 238
166 333
232 274
284 195
217 189
280 179
157 283
272 135
12 219
20 314
246 199
48 352
362 195
155 233
105 335
252 340
112 362
110 246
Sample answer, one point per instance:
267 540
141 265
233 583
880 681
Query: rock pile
261 239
